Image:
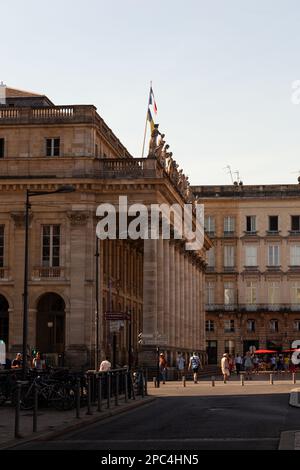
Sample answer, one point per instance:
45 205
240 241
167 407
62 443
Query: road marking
204 439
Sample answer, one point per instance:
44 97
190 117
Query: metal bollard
242 380
78 397
126 386
154 382
117 390
35 409
132 388
143 384
17 415
213 381
294 377
99 393
89 411
108 389
271 379
146 382
183 381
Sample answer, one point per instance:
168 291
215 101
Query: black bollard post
108 389
146 382
117 390
78 397
17 414
126 386
89 410
99 393
35 409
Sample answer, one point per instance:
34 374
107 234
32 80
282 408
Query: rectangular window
210 325
297 325
251 326
251 223
1 246
251 293
51 246
295 255
251 255
273 223
209 224
211 258
296 293
295 223
53 147
229 252
210 293
229 225
229 293
274 327
230 347
273 255
229 326
1 148
273 293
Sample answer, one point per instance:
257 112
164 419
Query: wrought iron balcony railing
240 308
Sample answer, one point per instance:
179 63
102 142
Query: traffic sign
114 316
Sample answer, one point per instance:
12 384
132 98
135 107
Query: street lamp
62 189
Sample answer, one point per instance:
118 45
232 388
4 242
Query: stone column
172 290
166 293
76 350
182 301
187 330
177 299
160 291
150 287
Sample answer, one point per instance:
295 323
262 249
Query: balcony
79 167
259 308
47 273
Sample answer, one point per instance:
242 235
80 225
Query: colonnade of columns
173 296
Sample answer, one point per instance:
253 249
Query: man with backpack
194 364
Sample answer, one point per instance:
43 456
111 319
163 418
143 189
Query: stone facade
253 273
155 282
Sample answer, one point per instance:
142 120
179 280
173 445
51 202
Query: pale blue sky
222 73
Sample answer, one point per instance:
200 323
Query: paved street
198 417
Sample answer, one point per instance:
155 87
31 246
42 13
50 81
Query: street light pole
97 306
25 294
62 189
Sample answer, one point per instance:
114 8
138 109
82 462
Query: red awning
265 351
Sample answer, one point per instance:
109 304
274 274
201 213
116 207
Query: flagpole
145 132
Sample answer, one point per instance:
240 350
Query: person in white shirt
238 363
105 365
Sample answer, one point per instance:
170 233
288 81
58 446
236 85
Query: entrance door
50 329
4 320
212 352
248 345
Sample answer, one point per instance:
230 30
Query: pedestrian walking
180 361
238 363
105 365
38 363
225 367
163 367
248 364
194 365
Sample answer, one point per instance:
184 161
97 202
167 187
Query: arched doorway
4 320
50 324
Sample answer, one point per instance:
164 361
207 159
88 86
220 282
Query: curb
80 423
295 397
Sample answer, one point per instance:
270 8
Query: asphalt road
234 422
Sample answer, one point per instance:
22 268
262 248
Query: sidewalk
52 423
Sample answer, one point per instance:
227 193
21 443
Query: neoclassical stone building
253 273
156 283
